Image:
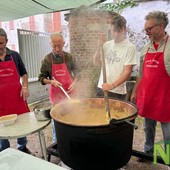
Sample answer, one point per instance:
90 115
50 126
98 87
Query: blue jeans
54 132
4 143
150 129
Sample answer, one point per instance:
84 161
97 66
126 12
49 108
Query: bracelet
24 87
24 84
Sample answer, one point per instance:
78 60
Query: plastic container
8 119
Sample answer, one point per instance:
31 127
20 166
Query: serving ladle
107 107
64 92
71 100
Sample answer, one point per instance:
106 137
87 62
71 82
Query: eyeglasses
148 30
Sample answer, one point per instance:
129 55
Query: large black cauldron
94 147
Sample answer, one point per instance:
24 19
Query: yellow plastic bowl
8 119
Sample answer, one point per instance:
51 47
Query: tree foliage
117 6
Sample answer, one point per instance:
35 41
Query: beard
2 51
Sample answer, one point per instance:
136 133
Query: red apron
61 74
153 98
10 88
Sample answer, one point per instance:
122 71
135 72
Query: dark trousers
99 93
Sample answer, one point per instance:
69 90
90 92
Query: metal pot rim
119 121
43 107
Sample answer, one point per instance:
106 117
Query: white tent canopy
16 9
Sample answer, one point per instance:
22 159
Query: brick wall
85 28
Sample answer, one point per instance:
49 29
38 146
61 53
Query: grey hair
3 33
159 16
53 34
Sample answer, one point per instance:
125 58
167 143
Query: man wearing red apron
152 89
13 94
59 69
60 74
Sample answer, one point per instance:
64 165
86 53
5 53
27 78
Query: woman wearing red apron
13 95
153 89
59 69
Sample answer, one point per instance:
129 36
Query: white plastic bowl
8 119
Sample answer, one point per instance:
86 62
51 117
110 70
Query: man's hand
24 93
55 83
71 87
133 98
107 86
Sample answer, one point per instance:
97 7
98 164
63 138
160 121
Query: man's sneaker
143 160
26 150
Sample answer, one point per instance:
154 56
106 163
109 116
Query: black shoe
143 160
26 150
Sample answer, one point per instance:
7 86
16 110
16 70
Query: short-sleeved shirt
152 49
117 55
17 60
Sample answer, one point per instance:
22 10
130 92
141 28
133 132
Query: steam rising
91 112
85 28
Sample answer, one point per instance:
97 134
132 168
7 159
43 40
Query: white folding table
26 124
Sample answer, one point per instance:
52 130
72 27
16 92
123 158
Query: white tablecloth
12 159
